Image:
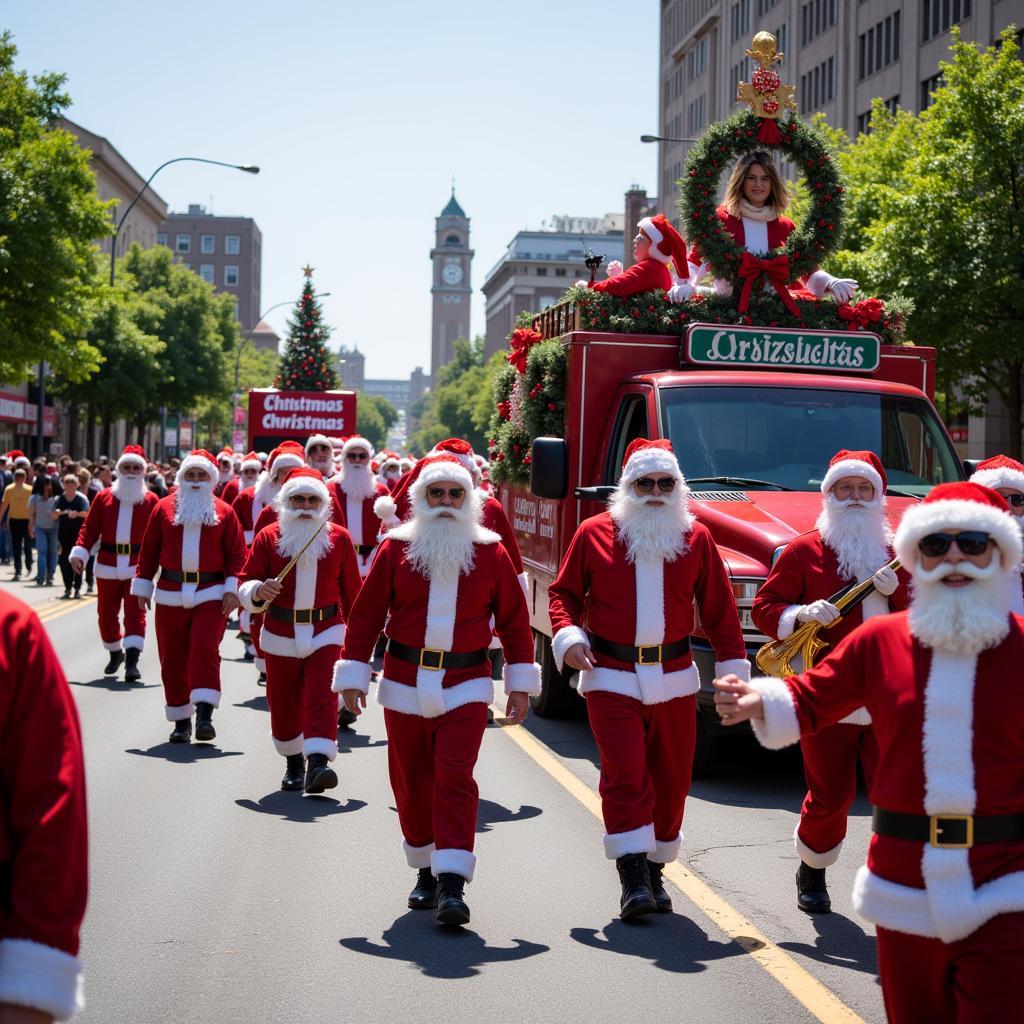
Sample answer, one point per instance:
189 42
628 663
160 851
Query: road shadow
490 813
671 942
113 684
350 740
184 753
256 703
437 952
296 807
839 942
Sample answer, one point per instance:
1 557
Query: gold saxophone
775 658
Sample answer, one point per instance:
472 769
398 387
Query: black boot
661 896
182 731
294 773
319 774
346 718
204 721
424 892
131 665
637 897
451 906
811 892
116 661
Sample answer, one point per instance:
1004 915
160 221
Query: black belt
189 576
303 615
653 655
364 549
120 549
435 660
948 831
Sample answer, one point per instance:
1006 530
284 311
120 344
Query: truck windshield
786 436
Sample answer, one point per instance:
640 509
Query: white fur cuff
179 714
522 677
141 587
136 643
230 585
113 645
812 858
247 594
288 748
418 856
787 620
351 675
638 840
780 727
458 862
41 977
666 851
566 637
205 696
737 666
818 282
79 552
320 745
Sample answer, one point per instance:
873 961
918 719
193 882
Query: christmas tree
306 363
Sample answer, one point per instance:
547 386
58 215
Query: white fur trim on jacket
655 690
288 748
41 977
179 713
202 695
666 851
818 282
247 595
566 637
189 596
522 677
351 675
787 620
780 727
417 856
812 858
141 587
524 582
428 703
79 552
230 585
639 840
1002 477
320 745
457 862
852 467
958 514
304 643
737 666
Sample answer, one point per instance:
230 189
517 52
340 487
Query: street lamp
662 138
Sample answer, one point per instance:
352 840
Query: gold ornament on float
765 94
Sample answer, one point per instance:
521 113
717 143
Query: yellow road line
797 981
52 612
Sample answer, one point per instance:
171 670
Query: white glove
886 581
614 268
679 292
819 611
842 288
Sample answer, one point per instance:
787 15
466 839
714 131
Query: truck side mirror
971 467
549 467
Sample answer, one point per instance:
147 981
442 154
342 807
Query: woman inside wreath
752 212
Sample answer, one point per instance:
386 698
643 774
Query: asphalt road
215 896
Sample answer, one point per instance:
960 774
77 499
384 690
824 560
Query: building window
782 38
450 240
697 59
230 276
542 271
559 271
206 272
232 245
161 238
764 6
928 86
940 15
863 122
695 116
818 86
892 104
739 19
183 243
816 17
207 245
739 73
879 46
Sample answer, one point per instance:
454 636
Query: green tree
50 217
306 363
374 416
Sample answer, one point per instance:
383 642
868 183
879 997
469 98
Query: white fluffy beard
298 526
441 539
194 504
244 482
129 490
960 620
860 537
358 481
324 465
649 529
266 490
224 475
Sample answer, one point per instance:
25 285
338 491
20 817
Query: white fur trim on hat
646 225
287 460
195 462
466 460
317 439
356 442
851 467
435 472
302 485
957 514
650 460
251 464
1004 476
384 508
140 461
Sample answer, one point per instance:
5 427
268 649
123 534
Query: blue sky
359 114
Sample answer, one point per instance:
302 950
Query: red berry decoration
770 106
765 81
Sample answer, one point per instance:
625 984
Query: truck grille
719 495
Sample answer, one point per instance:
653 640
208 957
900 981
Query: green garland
810 243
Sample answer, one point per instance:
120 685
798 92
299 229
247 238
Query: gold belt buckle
190 576
935 831
643 654
303 616
433 653
124 549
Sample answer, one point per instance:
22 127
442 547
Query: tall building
351 368
225 251
451 289
838 55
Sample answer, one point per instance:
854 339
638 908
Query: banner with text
280 415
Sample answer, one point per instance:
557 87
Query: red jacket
334 579
358 517
229 492
267 516
950 733
645 276
43 830
647 603
247 507
217 549
109 522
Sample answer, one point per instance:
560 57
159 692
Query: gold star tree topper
765 94
307 270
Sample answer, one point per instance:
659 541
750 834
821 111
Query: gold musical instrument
776 658
259 609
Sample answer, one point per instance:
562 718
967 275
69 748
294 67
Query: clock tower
451 289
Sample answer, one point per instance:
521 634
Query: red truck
754 415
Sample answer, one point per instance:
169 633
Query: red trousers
188 640
303 707
646 761
830 770
431 761
974 981
110 596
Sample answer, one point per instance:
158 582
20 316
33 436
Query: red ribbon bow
861 314
522 340
775 269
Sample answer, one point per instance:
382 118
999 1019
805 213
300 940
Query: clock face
452 273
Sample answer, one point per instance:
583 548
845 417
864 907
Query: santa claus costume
944 879
115 526
248 473
851 541
626 591
435 582
195 542
319 452
43 828
303 628
656 245
353 492
225 471
390 470
1006 476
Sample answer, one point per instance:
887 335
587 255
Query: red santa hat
960 506
863 464
132 454
287 455
461 450
643 457
252 461
318 439
667 245
226 453
389 460
999 471
353 442
198 458
18 457
436 468
305 480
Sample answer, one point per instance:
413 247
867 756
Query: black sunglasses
357 456
645 485
970 542
437 493
1015 499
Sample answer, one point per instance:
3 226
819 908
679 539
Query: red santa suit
1002 471
652 273
643 715
300 655
117 528
43 828
950 732
436 717
199 563
807 571
355 510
